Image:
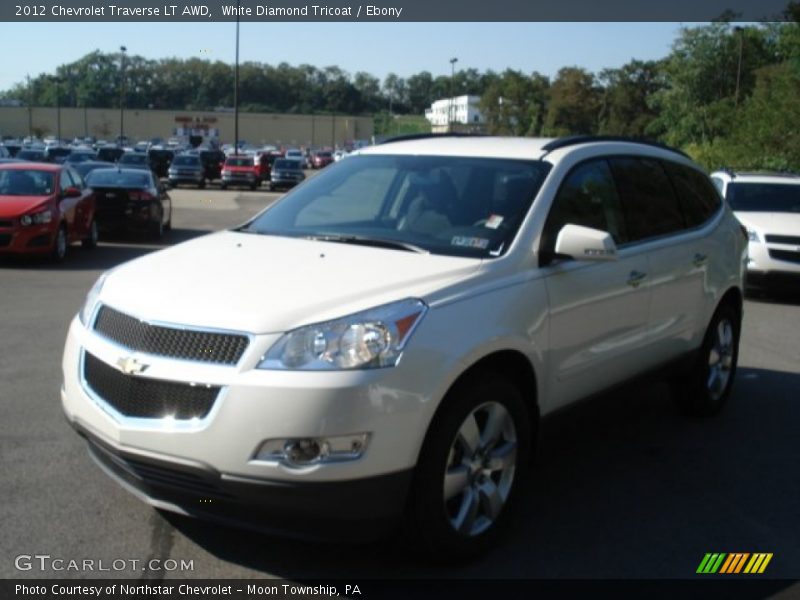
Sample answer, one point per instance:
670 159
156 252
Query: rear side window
650 206
698 197
588 197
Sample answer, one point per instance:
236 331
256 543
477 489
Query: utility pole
30 107
740 31
236 87
453 62
122 49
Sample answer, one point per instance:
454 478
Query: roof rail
766 173
421 136
572 140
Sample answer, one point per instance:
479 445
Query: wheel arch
509 364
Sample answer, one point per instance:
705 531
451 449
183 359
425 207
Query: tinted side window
650 206
699 199
76 179
64 181
587 197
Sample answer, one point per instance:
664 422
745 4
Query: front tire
59 251
469 469
704 391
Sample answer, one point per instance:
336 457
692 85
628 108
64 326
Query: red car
43 209
322 159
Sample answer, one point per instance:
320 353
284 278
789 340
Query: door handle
699 260
635 278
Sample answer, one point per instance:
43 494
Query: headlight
752 235
39 218
87 310
367 340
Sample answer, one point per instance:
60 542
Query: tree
514 104
624 109
702 73
574 104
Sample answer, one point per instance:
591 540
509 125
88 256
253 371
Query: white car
384 340
768 205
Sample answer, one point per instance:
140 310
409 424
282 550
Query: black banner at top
391 10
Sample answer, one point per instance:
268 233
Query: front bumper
773 265
284 183
34 239
356 510
176 179
240 180
252 406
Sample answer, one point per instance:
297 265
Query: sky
377 48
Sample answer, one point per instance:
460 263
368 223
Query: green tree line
727 94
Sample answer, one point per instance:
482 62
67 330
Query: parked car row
44 207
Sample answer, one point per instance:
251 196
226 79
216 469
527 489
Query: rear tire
91 240
469 469
157 228
704 391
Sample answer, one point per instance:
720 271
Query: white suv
384 339
768 205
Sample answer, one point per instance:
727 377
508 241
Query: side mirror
585 243
72 192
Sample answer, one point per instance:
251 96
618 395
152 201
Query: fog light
302 452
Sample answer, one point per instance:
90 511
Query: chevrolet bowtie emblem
130 366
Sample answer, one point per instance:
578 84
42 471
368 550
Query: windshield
454 206
134 159
286 164
25 182
115 178
239 162
186 161
764 197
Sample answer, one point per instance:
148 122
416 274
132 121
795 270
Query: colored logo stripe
710 563
721 562
758 563
735 562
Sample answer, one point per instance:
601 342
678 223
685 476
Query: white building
461 111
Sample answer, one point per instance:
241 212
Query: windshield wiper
366 241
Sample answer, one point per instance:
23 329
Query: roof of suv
505 147
758 176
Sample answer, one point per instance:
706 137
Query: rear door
678 254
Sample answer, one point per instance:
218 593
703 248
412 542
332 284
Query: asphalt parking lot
623 486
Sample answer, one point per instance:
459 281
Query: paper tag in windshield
494 221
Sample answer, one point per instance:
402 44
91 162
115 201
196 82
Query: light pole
740 31
236 88
122 49
453 62
30 108
57 81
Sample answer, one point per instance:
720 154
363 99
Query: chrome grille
187 344
140 397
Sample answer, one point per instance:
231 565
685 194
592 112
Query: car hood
783 223
15 206
270 284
